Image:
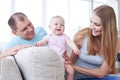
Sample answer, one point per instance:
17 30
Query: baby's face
57 26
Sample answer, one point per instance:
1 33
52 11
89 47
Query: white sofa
35 63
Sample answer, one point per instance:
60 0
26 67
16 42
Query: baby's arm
41 43
73 46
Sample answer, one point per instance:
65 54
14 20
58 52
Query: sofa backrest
40 63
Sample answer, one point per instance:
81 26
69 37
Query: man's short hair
12 20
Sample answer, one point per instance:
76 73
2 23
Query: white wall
118 16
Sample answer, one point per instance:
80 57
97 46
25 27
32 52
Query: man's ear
49 26
14 32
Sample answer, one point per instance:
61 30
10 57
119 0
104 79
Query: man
24 31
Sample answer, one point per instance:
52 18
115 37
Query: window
78 15
57 7
72 11
75 12
4 15
32 8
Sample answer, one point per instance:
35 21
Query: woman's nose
92 25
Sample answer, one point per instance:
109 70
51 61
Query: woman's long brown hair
106 44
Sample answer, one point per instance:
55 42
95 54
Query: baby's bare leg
70 72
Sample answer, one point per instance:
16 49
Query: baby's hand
77 51
38 44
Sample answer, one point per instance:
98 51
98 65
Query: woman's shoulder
81 33
79 36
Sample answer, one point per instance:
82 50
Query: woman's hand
67 59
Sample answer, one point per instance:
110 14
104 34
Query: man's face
24 29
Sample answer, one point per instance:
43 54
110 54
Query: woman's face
95 25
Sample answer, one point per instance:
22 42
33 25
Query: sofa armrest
9 69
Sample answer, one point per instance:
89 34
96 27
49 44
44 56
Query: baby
58 41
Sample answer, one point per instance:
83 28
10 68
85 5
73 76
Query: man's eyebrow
24 28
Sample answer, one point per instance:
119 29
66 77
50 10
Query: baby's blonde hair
57 16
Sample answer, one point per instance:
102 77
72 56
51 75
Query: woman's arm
73 57
97 72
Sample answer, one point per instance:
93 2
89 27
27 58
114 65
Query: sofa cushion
40 63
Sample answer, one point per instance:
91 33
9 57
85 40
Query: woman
99 45
12 51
